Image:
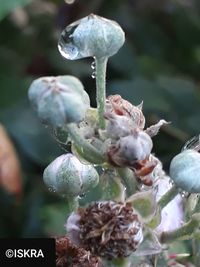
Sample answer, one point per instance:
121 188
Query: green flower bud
59 100
66 175
185 170
92 36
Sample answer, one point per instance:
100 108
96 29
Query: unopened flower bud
130 149
185 170
66 175
108 229
118 126
92 36
59 100
116 105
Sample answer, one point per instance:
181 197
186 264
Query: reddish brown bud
118 106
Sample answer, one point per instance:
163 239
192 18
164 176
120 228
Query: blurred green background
159 63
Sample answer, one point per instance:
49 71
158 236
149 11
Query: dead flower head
70 255
109 229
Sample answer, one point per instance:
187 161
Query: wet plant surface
114 149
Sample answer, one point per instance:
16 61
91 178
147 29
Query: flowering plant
133 223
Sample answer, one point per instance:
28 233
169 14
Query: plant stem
196 249
183 233
128 179
101 64
168 196
197 207
72 204
87 151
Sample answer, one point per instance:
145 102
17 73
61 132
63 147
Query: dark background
159 63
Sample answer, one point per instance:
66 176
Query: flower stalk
183 233
196 248
101 64
89 152
128 179
168 196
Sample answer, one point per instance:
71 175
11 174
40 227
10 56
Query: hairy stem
197 207
196 249
71 204
168 196
128 179
183 233
101 64
87 151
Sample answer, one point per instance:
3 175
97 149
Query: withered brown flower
70 255
109 229
130 145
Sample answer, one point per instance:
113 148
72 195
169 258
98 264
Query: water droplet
51 189
93 65
93 75
66 45
81 196
71 44
193 143
69 1
68 51
184 194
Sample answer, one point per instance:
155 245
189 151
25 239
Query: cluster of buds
130 144
108 229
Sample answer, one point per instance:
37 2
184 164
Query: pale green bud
185 170
92 36
66 175
59 100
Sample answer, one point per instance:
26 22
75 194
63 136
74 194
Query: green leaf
144 203
150 244
112 188
7 6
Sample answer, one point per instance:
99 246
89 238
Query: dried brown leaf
10 170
